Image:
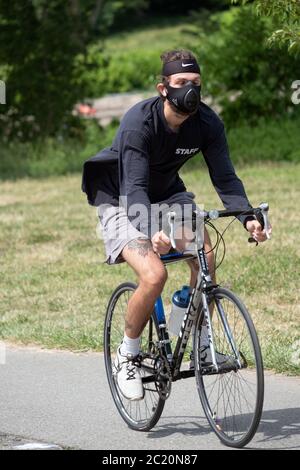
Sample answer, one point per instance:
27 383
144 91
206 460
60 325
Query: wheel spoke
231 399
139 414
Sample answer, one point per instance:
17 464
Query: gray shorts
117 230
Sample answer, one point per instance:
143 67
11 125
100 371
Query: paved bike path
61 398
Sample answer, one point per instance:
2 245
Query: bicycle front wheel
232 398
140 415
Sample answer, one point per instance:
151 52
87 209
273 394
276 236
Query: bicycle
231 392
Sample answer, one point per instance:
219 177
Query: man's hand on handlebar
254 227
161 243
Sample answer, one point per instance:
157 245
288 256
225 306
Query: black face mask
186 99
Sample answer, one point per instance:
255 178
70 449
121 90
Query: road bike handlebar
260 213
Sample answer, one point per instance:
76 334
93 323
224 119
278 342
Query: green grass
54 287
158 35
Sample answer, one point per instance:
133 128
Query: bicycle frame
198 297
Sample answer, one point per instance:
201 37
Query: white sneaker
128 377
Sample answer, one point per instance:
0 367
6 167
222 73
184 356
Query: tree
248 79
39 42
286 16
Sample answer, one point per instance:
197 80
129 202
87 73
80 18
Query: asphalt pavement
56 399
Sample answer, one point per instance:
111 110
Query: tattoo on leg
142 245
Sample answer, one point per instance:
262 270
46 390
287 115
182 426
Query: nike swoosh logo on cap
186 65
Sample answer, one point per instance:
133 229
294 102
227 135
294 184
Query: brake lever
171 221
265 207
252 240
262 217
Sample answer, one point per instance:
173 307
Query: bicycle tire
207 392
124 406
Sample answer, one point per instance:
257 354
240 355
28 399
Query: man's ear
161 89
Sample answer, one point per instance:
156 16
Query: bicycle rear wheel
140 415
232 399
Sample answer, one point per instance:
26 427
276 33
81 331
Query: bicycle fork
209 331
206 281
228 333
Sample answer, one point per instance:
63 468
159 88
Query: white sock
130 346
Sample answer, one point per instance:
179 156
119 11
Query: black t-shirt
146 155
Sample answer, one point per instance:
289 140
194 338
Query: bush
246 77
270 140
101 73
53 155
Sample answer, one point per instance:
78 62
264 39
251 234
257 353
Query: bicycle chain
163 371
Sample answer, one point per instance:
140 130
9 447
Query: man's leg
152 276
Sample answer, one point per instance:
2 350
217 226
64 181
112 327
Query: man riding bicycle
155 138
